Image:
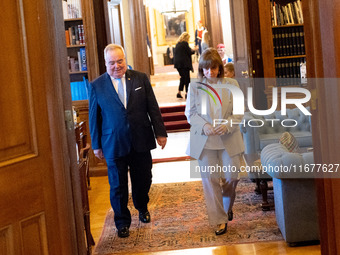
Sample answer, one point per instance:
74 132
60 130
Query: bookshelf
81 52
283 44
76 48
87 20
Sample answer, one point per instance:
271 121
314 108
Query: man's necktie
120 90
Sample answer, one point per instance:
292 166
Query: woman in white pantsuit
216 147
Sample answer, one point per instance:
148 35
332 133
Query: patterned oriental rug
179 221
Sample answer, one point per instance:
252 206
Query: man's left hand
161 141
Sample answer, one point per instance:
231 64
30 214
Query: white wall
226 27
127 31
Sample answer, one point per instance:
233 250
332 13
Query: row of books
78 63
75 35
288 71
72 9
288 41
288 14
79 90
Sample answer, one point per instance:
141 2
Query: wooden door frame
323 55
138 37
212 21
68 192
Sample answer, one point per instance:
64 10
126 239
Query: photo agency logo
239 108
205 87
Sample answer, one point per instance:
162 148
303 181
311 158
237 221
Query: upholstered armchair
294 194
256 138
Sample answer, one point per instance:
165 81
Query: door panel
17 140
30 189
322 39
241 44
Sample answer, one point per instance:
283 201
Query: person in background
215 145
221 51
124 120
198 36
229 70
170 54
205 40
183 62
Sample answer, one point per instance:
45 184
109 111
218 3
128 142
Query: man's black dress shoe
230 215
145 217
179 95
123 232
221 231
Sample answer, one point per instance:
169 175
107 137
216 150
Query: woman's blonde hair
205 36
184 37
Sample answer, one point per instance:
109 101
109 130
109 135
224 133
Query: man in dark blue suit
124 121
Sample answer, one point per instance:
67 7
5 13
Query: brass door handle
244 73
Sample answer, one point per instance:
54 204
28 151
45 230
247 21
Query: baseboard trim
102 170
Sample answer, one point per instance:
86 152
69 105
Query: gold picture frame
170 26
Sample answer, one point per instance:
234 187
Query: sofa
256 138
294 194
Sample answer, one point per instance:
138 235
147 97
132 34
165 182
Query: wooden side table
261 181
83 170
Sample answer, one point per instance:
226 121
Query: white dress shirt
115 85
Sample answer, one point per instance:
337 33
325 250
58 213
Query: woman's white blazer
198 116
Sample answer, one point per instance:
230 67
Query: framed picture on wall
174 26
172 22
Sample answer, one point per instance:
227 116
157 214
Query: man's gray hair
111 47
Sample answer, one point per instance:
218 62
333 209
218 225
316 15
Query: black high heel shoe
221 231
230 215
179 95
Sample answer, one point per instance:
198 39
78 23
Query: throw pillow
289 141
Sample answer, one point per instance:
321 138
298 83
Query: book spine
83 90
289 42
73 66
302 41
294 42
79 61
300 10
67 37
72 90
80 36
83 61
275 42
298 42
86 83
65 10
275 14
76 94
287 20
76 35
69 63
291 18
295 17
282 17
278 14
291 75
284 44
79 9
